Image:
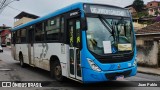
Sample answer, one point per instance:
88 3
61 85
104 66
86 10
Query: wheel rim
58 72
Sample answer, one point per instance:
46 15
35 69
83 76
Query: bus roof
57 12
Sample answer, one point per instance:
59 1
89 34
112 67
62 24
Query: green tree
156 13
138 5
142 14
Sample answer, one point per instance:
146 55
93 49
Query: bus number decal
44 50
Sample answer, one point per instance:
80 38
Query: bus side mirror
83 24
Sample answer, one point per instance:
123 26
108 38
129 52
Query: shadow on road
71 83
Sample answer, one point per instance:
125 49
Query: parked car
1 49
3 45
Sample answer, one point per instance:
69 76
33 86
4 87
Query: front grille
114 58
112 76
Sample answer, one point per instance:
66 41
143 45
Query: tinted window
52 29
18 39
78 34
23 36
39 32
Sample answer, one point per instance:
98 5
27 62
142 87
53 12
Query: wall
152 4
152 11
22 21
147 51
8 39
3 35
148 54
138 26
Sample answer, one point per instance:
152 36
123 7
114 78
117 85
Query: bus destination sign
106 10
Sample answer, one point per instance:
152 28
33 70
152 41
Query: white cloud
43 7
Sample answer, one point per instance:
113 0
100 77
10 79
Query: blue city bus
84 42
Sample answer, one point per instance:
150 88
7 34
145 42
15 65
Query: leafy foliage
157 19
156 13
142 14
138 5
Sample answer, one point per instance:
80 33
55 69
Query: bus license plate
120 77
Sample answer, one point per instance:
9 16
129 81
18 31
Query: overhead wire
15 8
7 5
2 4
1 7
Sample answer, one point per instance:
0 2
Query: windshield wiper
104 22
108 26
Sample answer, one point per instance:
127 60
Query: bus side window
23 36
53 29
18 40
39 32
78 34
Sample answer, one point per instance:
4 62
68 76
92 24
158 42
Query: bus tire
21 61
56 71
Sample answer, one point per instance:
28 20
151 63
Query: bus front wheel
56 71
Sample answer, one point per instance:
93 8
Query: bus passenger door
30 45
74 48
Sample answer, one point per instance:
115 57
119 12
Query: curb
150 73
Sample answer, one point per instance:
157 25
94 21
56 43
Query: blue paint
91 76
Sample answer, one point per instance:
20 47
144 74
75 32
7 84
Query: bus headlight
93 65
135 63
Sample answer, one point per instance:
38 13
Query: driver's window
121 30
128 29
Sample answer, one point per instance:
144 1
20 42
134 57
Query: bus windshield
109 35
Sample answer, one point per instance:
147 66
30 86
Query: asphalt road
10 70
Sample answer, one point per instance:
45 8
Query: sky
43 7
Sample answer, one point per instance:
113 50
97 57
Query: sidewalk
147 70
5 72
9 47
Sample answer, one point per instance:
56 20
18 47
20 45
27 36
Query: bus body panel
23 48
93 77
42 53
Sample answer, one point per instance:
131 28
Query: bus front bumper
91 76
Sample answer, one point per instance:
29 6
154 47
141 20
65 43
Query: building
152 4
24 17
131 9
5 35
153 8
148 45
139 23
154 11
